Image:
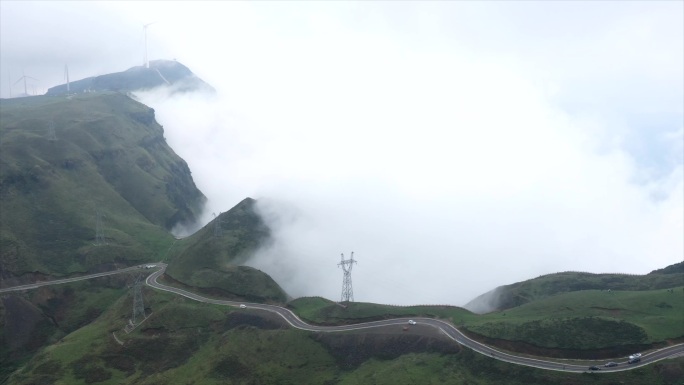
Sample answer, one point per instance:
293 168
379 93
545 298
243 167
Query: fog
453 147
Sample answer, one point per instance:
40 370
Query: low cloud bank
444 191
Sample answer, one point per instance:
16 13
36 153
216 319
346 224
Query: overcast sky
453 146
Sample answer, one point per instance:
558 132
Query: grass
517 294
322 311
209 262
188 342
65 308
589 319
109 156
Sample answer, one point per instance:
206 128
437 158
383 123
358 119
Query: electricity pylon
347 291
138 305
51 136
218 231
99 230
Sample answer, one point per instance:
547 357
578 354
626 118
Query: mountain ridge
516 294
159 73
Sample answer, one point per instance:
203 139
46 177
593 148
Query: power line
347 290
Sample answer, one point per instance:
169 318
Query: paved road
448 329
444 327
73 279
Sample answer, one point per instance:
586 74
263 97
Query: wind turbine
24 77
66 75
145 62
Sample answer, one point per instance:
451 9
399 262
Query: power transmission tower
218 231
347 291
52 136
138 306
99 230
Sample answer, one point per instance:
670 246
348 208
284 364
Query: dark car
594 368
634 360
610 364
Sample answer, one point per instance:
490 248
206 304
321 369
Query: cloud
454 147
464 179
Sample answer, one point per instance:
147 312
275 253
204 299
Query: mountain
210 260
88 183
187 342
160 73
509 296
73 168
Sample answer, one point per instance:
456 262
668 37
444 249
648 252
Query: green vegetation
38 318
321 311
209 261
590 319
109 156
520 293
184 342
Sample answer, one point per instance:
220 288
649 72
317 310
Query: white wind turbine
145 62
24 77
66 76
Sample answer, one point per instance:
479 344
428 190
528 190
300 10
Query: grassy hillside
322 311
509 296
185 342
577 324
591 319
210 258
34 319
62 159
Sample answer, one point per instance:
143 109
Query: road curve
577 366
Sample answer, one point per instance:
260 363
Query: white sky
453 146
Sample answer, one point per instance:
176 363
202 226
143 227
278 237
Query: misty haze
453 147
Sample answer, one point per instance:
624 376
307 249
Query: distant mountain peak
160 73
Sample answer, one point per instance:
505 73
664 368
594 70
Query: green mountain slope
210 258
509 296
186 342
62 160
599 322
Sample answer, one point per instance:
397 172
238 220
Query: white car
242 306
412 322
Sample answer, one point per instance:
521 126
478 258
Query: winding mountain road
577 366
73 279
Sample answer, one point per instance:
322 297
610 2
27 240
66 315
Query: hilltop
160 73
520 293
210 260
